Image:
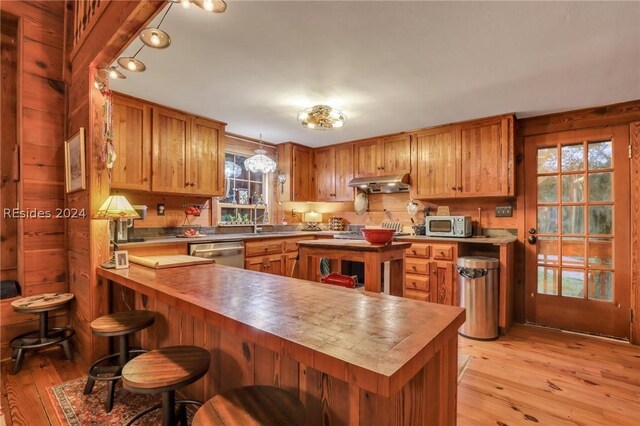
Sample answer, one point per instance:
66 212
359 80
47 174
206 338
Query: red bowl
378 236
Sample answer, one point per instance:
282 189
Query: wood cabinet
296 162
132 143
165 150
273 256
333 168
382 156
430 273
273 264
472 159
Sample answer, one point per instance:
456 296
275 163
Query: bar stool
120 324
252 406
165 371
40 304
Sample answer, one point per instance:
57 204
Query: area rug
463 364
75 409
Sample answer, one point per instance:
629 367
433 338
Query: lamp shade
116 207
313 217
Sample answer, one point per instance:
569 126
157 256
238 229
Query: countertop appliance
229 253
448 226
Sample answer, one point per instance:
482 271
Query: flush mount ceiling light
260 163
321 117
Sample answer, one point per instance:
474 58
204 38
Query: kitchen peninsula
350 356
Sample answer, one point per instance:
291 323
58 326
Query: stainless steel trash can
478 290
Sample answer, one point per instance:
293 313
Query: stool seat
252 406
41 302
119 323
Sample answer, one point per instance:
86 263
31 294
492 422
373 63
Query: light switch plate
504 211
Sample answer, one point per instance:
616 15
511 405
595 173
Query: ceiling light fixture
186 4
321 117
156 38
260 163
215 6
132 64
112 72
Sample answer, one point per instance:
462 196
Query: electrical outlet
504 211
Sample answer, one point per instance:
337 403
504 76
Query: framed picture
122 259
74 166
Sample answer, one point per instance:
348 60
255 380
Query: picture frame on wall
122 259
74 163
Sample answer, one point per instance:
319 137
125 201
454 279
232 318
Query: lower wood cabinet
273 264
273 256
430 273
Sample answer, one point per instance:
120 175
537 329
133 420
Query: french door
578 231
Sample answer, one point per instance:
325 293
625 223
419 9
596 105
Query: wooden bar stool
165 371
41 304
252 406
120 324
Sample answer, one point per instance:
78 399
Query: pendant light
155 37
113 73
260 163
130 63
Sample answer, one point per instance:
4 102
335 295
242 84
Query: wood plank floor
533 376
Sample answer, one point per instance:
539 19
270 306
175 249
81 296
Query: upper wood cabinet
471 159
132 143
333 167
296 161
164 150
382 156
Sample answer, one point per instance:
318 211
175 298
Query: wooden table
372 255
352 357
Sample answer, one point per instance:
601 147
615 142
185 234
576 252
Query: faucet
257 228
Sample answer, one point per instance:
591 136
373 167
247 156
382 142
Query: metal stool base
34 340
170 416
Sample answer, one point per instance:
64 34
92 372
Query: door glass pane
547 280
573 251
601 285
548 250
548 160
600 252
547 220
600 219
572 188
573 283
548 189
572 219
600 186
599 155
572 158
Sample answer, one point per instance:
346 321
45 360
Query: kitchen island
351 357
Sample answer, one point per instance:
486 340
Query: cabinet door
325 173
274 264
132 142
434 165
290 261
302 171
486 158
254 263
395 152
343 173
205 166
443 285
171 135
366 158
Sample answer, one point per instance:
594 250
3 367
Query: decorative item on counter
115 207
336 223
412 208
312 219
378 235
361 204
191 211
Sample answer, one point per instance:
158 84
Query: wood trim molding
634 141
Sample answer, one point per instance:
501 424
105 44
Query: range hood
381 184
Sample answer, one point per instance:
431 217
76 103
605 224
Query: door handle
532 239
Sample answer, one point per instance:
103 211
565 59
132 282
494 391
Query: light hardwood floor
533 376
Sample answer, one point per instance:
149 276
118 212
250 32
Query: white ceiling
391 66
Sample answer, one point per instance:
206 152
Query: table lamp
312 219
115 207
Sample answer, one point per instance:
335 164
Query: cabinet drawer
416 282
416 294
417 265
292 244
419 249
255 248
443 251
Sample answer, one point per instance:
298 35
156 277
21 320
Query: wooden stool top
41 302
252 406
120 323
165 369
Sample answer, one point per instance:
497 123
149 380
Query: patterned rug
75 409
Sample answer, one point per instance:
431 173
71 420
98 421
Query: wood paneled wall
40 100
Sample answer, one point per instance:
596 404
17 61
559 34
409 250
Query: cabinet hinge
630 156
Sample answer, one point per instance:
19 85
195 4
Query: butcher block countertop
375 341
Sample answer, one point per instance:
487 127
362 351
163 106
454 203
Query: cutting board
161 262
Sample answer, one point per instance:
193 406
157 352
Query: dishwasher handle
230 250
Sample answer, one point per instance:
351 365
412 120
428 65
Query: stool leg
181 416
110 394
17 364
88 388
67 349
168 408
44 325
124 350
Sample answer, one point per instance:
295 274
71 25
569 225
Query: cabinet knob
186 184
414 267
441 253
145 179
414 251
459 188
192 184
453 188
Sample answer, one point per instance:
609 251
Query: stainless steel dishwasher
229 253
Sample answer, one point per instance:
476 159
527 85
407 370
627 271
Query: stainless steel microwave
448 226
